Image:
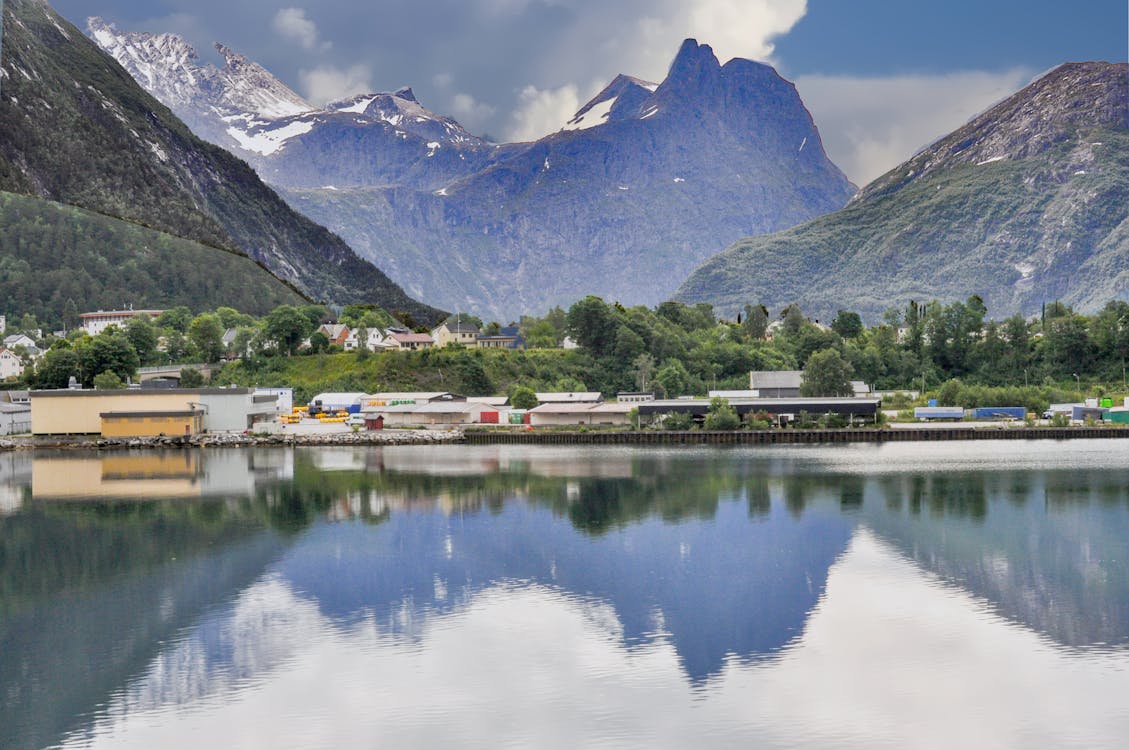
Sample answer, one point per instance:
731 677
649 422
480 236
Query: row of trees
178 336
672 349
679 349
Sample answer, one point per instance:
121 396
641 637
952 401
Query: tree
755 324
471 375
232 318
108 381
628 344
190 377
287 327
71 317
847 324
569 384
319 342
176 346
56 367
109 351
315 314
523 397
721 416
592 323
793 318
177 318
206 334
673 378
542 335
245 337
826 374
642 368
142 334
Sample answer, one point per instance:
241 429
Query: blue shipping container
999 412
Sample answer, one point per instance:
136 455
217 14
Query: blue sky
881 77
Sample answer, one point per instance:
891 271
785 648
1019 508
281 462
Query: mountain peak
620 100
693 62
406 93
1071 98
233 59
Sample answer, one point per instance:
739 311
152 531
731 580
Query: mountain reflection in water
514 573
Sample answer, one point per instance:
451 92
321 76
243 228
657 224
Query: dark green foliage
143 335
56 369
206 335
826 374
56 261
523 397
190 377
108 381
678 421
110 351
721 416
319 342
592 324
287 326
847 324
470 374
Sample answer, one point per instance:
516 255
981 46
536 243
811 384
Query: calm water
922 596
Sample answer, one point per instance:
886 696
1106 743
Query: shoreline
231 440
796 437
564 437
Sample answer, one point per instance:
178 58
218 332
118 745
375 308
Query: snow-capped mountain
221 104
645 182
371 139
622 99
641 185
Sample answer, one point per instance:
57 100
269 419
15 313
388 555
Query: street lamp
1078 381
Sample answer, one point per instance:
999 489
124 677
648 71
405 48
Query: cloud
640 38
442 80
292 24
543 111
327 83
869 125
471 113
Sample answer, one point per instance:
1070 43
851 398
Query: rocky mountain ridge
370 139
645 182
77 129
1025 204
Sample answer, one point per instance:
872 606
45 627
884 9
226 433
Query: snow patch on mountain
595 115
268 141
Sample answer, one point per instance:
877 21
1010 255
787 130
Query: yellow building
80 412
127 424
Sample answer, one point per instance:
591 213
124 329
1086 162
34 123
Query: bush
721 416
190 377
678 420
108 381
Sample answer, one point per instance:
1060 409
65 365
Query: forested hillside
74 127
57 259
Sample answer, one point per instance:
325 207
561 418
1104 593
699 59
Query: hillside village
176 399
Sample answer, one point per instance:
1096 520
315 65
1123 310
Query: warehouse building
139 412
